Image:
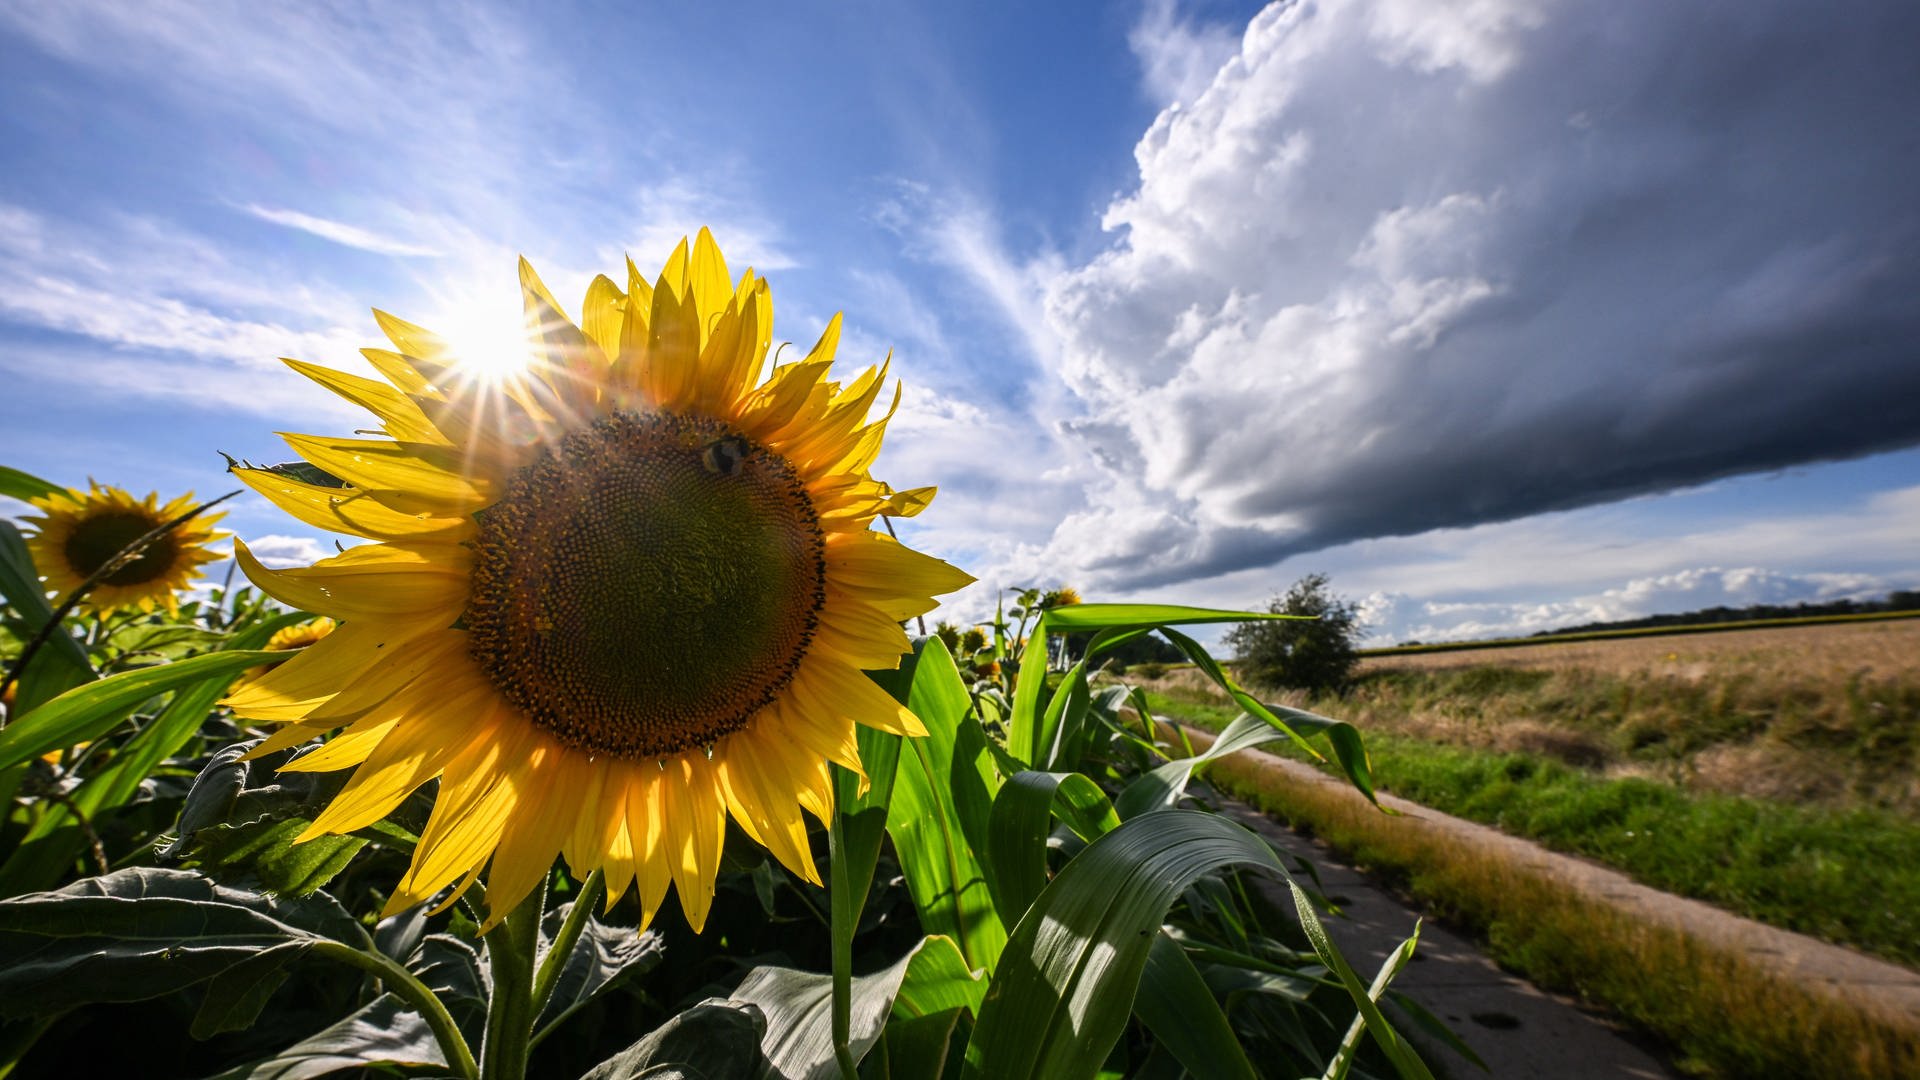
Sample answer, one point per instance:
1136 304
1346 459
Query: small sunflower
297 636
610 601
81 531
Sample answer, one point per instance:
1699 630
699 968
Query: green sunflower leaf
931 979
385 1032
141 933
712 1040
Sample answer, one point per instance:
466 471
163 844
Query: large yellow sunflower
81 531
610 601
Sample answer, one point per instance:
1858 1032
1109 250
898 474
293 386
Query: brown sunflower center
646 584
95 541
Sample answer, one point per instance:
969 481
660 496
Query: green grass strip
1723 1014
1850 877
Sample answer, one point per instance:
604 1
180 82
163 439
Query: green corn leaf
1068 978
1163 787
1028 737
1346 742
1405 1061
90 711
1023 813
26 487
1175 1004
56 839
942 794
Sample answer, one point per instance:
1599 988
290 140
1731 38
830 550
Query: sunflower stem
846 917
401 983
511 947
562 947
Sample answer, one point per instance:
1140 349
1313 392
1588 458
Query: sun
488 336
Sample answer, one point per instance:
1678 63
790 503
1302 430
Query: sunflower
81 531
297 636
610 601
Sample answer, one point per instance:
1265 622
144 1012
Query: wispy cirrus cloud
340 232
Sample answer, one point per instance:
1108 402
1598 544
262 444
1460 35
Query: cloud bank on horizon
1403 266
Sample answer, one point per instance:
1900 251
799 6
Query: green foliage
973 875
1316 650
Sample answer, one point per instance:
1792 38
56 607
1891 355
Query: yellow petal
602 314
398 589
695 830
532 835
836 689
395 474
349 510
646 822
321 670
759 792
710 283
870 561
398 414
475 800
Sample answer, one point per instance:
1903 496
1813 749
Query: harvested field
1872 649
1821 715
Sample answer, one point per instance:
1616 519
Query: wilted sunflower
81 531
612 599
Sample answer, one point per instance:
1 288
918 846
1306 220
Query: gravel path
1520 1031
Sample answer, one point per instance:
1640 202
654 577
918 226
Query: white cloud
1178 59
339 232
1402 266
278 552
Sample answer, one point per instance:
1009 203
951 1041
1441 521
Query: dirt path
1554 1037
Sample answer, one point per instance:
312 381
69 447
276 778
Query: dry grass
1838 650
1726 1015
1823 715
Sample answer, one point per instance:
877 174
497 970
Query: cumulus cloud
279 552
1401 266
1396 617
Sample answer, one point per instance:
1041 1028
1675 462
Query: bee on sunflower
79 532
610 601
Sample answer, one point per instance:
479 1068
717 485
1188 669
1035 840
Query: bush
1317 653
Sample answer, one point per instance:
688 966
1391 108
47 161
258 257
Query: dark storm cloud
1403 267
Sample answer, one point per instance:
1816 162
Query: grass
1775 772
1847 876
1724 1015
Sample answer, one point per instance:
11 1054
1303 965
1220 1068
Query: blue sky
1509 314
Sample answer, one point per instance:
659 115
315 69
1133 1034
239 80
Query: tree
1316 654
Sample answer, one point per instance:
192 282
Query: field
1770 771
